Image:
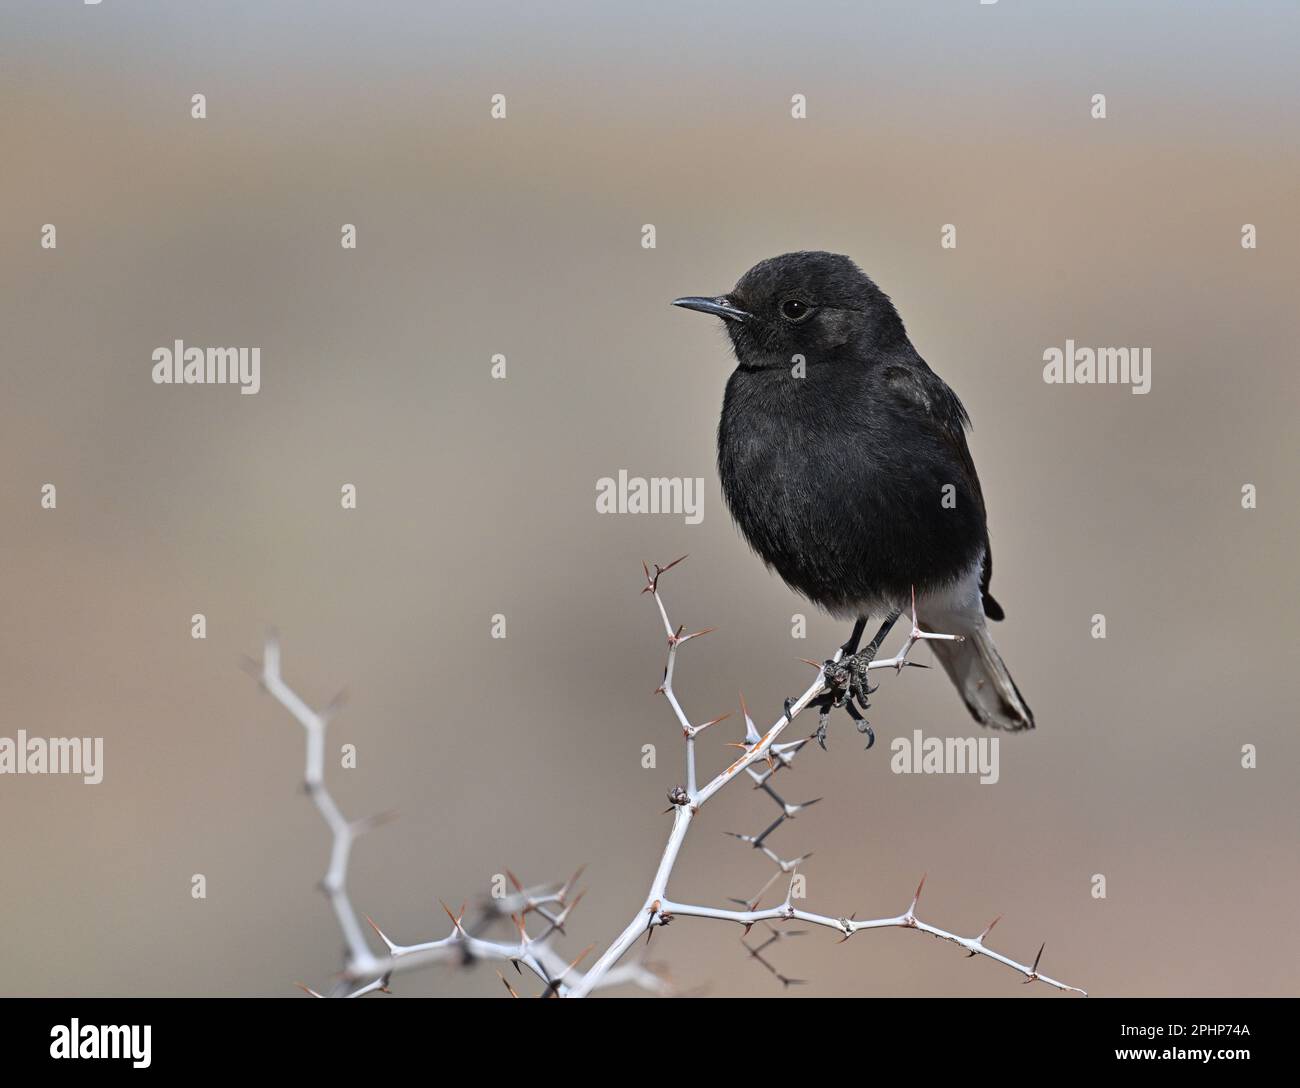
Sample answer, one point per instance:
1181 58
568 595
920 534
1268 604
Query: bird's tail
977 669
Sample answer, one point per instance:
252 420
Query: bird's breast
835 501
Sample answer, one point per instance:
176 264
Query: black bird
844 461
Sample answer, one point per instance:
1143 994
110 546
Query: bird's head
810 303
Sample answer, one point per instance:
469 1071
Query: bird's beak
720 307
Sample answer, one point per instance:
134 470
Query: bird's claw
823 720
861 722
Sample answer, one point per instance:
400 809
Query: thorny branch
365 972
660 910
763 756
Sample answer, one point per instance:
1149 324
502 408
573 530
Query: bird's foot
824 705
847 681
861 722
848 678
819 734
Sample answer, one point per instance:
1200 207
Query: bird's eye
793 309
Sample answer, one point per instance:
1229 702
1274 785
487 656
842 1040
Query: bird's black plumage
843 456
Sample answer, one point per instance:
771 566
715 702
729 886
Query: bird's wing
937 407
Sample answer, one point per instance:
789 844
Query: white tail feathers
977 669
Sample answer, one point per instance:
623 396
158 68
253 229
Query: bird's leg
857 662
851 647
835 698
848 676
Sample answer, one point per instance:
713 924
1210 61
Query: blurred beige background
476 497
